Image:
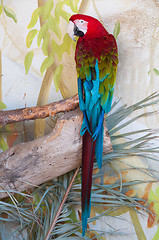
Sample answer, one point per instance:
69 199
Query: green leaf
47 9
58 10
67 2
28 61
31 35
156 237
54 27
116 29
67 43
54 46
156 71
65 15
42 33
34 18
57 75
59 50
74 5
2 105
73 216
45 44
10 13
1 8
46 63
3 144
51 21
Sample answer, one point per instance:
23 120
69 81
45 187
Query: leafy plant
50 15
8 11
35 212
3 141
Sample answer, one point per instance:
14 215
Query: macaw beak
70 30
73 30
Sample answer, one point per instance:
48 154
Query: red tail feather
87 169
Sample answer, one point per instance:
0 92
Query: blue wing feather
93 115
99 147
93 112
80 95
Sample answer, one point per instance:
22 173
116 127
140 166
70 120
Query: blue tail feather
92 131
98 127
99 147
85 216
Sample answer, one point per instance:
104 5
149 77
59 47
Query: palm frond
34 213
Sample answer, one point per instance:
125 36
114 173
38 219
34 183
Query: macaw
96 59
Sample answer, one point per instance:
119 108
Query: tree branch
33 163
31 113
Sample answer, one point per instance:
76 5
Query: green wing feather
105 51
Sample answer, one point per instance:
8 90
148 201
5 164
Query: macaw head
82 25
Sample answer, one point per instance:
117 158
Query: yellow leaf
2 105
57 30
74 5
67 2
47 9
46 63
34 18
157 192
3 144
58 10
45 44
67 41
57 75
54 46
42 33
1 9
10 13
137 225
154 198
31 35
59 50
65 15
116 30
54 26
156 237
51 21
28 61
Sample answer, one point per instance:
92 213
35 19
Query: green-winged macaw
96 59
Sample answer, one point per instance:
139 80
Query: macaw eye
81 21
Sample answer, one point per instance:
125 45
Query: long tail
88 153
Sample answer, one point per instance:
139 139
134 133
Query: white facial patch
82 25
70 30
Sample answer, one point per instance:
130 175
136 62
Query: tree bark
33 163
32 113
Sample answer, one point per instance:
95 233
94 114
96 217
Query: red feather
88 152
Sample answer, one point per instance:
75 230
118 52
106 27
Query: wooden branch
31 113
35 162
